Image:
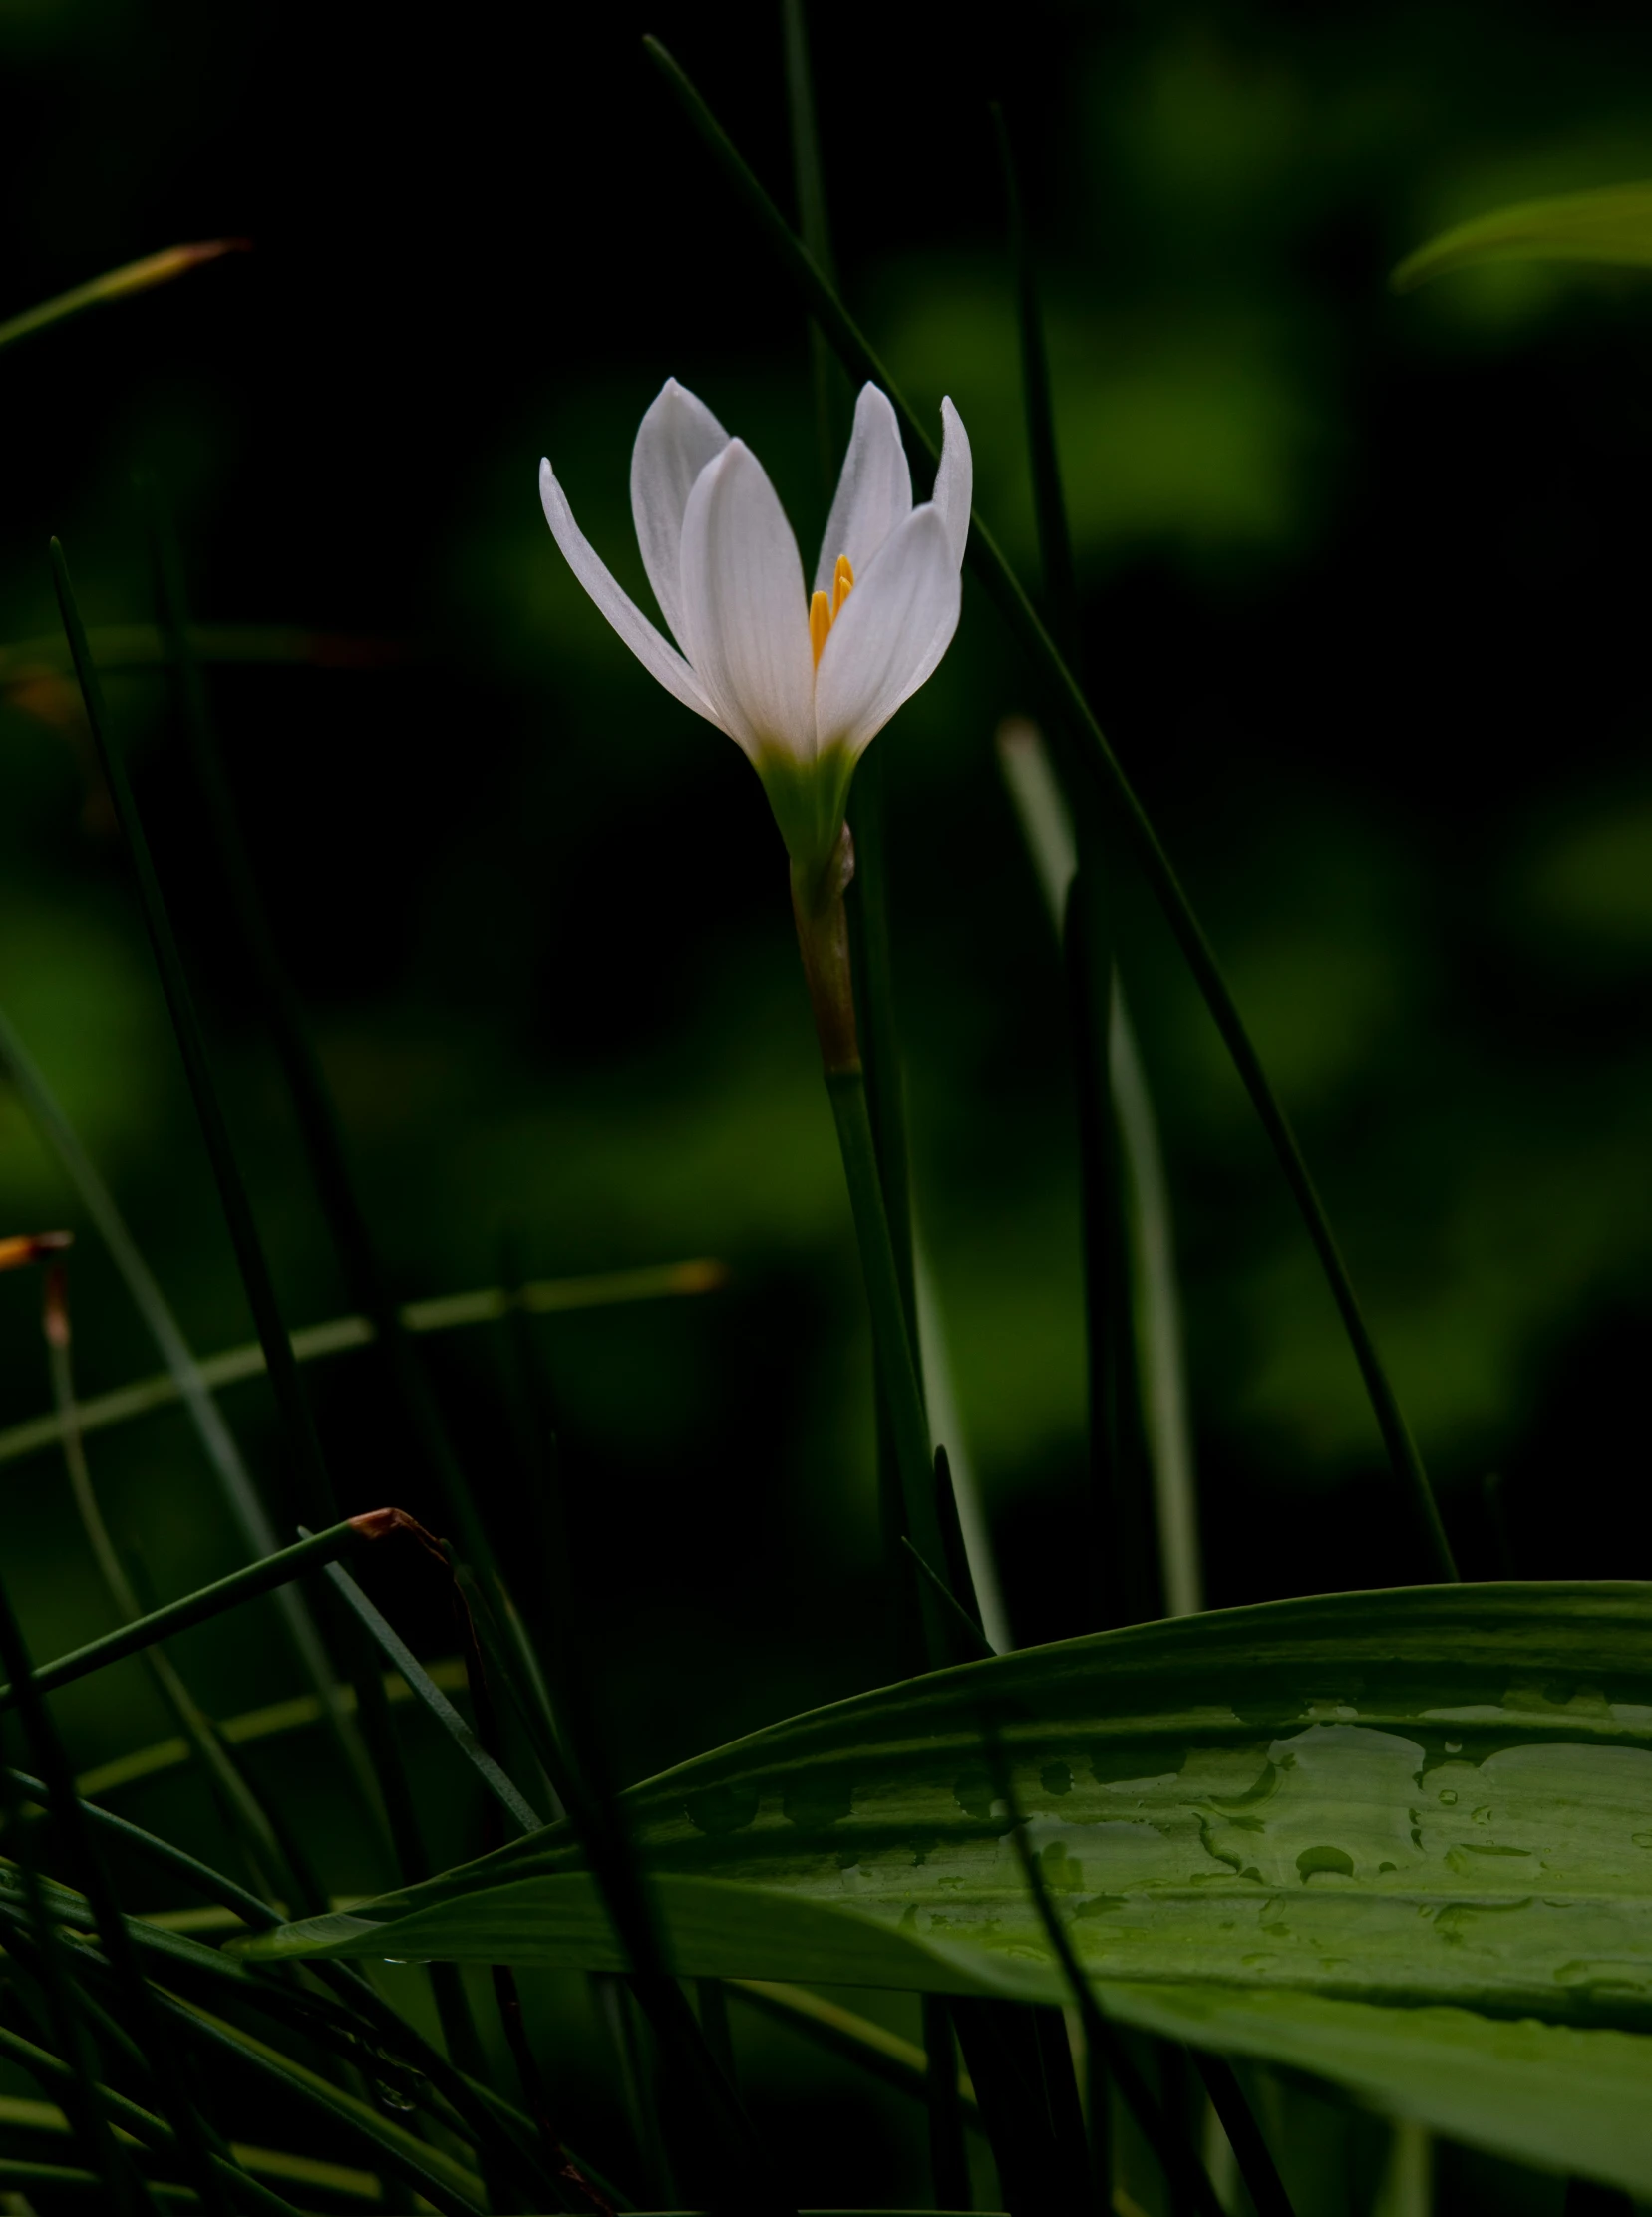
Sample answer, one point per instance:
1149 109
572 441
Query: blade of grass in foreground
376 1780
195 1608
316 1118
1155 1291
118 284
186 1380
1129 1579
566 1731
247 1819
445 1313
136 2001
1103 766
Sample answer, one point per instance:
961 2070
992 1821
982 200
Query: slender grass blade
118 284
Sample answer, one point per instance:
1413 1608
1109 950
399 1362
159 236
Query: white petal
744 610
676 439
954 481
893 629
655 654
874 489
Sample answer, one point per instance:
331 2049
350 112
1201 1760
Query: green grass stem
117 284
185 1379
1102 767
312 1103
1186 2176
314 1485
139 2016
395 1648
881 1272
248 1820
1252 2153
1167 1409
339 1335
194 1608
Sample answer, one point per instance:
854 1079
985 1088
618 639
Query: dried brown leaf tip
385 1523
27 1247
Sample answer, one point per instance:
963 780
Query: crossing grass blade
1099 766
1613 224
307 1090
339 1335
118 284
248 1820
136 2001
185 1378
246 1727
424 1689
195 1608
1047 830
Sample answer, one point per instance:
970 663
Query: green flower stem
848 1088
823 940
1095 762
197 1608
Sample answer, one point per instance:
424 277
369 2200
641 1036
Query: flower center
826 606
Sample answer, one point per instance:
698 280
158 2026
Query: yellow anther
823 608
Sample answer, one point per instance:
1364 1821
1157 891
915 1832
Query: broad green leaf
1436 1797
1611 225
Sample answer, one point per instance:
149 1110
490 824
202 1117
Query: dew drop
1448 1797
393 2098
1641 1839
1454 1746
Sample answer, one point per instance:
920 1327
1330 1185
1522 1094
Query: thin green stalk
873 2048
1155 1300
138 2010
1244 2136
880 1271
247 1819
1101 767
185 1377
470 2109
444 1313
568 1740
1186 2174
1055 540
1128 1582
58 1985
948 2156
425 1688
195 1608
312 1102
315 1488
117 284
830 396
1129 1577
55 2077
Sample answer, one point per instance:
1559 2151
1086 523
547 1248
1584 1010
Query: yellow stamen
824 608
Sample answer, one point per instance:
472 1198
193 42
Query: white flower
801 682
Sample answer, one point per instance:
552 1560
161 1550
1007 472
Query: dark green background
1364 592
